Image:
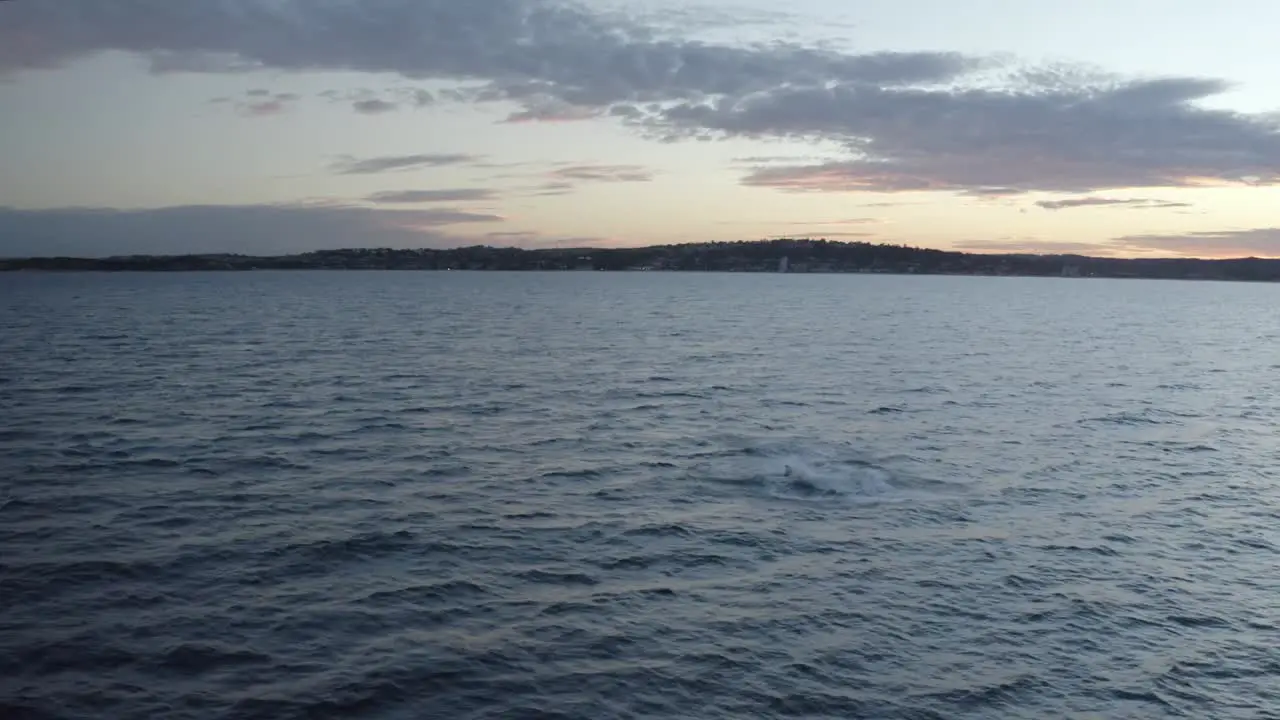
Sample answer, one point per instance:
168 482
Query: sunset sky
1108 127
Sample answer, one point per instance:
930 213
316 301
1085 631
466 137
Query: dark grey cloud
602 173
251 229
260 102
262 109
373 107
551 110
1256 242
907 121
389 163
1131 203
520 47
431 196
375 102
1144 133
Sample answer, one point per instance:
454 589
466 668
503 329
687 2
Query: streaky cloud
250 229
1254 242
390 163
1131 203
603 173
1036 247
432 196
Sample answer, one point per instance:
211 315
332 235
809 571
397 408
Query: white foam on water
817 477
819 473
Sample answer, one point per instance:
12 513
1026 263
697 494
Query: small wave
529 515
18 435
1014 580
671 562
660 530
1199 621
1150 416
552 577
1256 544
435 592
24 712
993 695
356 547
671 394
197 659
1102 550
271 462
586 473
77 389
812 473
929 390
1145 696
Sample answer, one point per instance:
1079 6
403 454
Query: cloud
252 229
263 109
558 187
389 163
371 102
906 121
431 196
603 173
519 47
260 102
373 107
1146 133
769 159
1131 203
1257 242
1035 247
552 110
991 193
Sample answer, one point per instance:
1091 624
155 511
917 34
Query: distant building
1070 271
783 264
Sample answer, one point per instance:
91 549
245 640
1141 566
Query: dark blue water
457 495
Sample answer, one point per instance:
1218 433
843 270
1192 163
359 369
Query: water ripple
635 496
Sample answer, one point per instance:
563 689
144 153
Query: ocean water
646 495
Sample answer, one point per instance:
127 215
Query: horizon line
633 248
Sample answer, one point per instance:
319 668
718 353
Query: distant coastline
786 255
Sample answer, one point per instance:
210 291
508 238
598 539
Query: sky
1130 129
